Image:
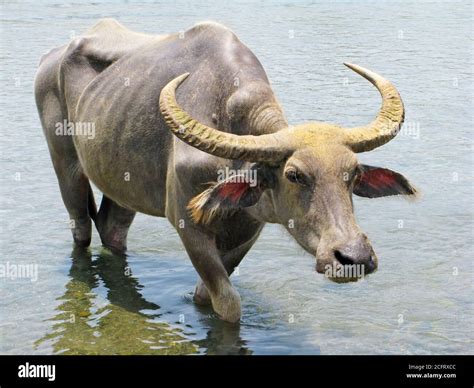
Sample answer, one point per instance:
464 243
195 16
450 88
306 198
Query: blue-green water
419 301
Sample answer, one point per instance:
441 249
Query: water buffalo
110 102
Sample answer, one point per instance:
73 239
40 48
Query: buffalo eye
295 176
355 174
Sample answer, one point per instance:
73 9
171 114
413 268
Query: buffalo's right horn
269 148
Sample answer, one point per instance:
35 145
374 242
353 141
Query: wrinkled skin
112 77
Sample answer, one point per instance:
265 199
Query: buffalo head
308 172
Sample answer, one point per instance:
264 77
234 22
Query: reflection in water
85 326
224 338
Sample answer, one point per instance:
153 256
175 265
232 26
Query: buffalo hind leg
75 189
77 196
113 222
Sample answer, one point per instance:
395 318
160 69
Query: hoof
114 239
115 248
227 305
201 295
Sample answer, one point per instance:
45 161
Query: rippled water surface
419 301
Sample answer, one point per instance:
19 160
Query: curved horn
264 148
389 120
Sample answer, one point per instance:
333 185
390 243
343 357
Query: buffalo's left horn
389 120
265 148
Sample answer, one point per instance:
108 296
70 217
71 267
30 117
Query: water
420 300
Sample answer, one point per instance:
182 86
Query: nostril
370 264
344 260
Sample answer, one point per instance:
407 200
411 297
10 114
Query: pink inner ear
378 178
233 191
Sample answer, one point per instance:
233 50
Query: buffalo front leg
230 259
232 249
113 223
204 255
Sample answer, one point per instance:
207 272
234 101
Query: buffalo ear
375 182
233 193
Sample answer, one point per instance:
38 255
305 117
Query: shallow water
419 301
